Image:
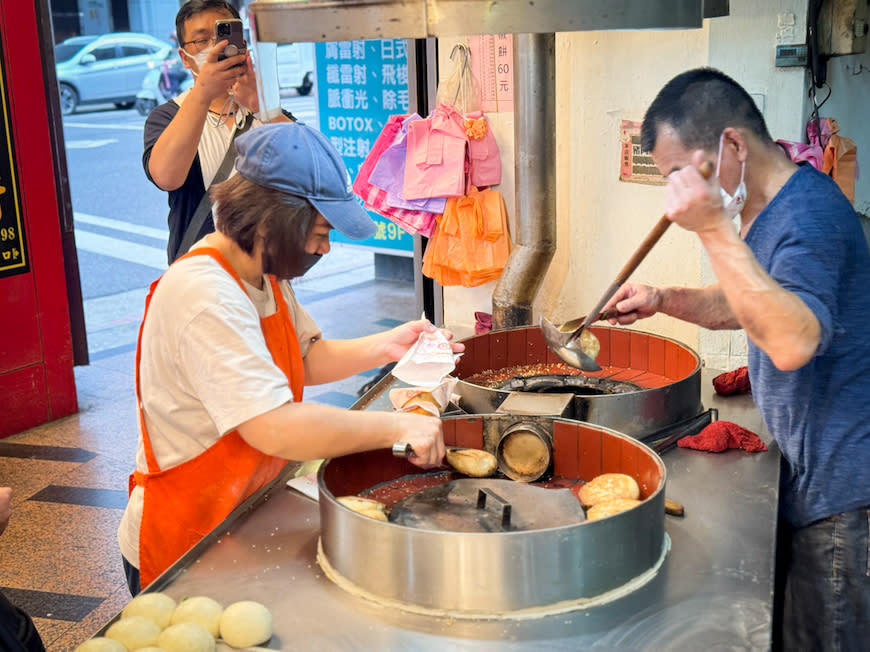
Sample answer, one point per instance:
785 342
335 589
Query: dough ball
101 644
201 610
186 637
134 632
150 648
154 606
610 507
246 623
608 486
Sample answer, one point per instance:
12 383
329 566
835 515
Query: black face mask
289 267
309 261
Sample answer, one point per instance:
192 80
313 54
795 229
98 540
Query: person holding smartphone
189 139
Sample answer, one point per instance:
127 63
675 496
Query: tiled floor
59 558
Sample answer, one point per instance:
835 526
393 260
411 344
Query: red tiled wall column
583 452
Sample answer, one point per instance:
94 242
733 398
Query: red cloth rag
482 322
721 435
732 382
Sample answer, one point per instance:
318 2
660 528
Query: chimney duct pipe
535 168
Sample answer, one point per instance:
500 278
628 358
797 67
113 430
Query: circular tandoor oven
646 382
518 571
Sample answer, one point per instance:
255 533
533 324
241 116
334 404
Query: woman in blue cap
225 351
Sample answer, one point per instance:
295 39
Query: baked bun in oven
365 506
610 507
472 462
608 486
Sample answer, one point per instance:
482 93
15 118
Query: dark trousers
17 632
826 604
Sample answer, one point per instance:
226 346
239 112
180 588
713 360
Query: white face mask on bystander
231 106
732 204
199 59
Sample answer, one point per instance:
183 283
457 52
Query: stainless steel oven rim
555 609
634 413
516 574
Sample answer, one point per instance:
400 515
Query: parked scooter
162 83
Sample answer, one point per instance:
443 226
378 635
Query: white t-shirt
215 140
205 368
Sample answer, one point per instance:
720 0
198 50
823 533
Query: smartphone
230 30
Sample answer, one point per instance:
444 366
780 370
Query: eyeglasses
200 44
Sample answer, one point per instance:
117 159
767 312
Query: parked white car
105 69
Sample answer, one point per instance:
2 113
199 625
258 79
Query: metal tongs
566 344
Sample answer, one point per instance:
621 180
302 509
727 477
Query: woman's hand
425 436
330 360
401 338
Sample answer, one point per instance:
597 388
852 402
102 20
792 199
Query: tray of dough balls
156 622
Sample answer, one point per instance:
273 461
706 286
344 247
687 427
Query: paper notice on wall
492 62
635 165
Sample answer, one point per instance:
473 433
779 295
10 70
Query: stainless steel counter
715 589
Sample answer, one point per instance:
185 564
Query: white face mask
199 59
732 204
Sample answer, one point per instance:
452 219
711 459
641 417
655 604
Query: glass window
104 53
65 52
128 50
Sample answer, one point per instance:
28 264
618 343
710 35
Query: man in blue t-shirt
796 278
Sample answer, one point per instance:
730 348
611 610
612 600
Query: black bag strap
203 210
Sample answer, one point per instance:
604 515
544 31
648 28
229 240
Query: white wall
849 78
744 46
155 17
601 79
95 17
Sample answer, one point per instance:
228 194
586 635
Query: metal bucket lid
478 505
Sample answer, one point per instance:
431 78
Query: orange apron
184 503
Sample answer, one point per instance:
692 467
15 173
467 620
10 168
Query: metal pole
535 166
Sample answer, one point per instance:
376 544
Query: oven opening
574 384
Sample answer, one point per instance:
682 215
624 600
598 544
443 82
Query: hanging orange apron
184 503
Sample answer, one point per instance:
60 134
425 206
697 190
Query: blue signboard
360 84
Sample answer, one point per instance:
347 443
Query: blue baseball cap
299 160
